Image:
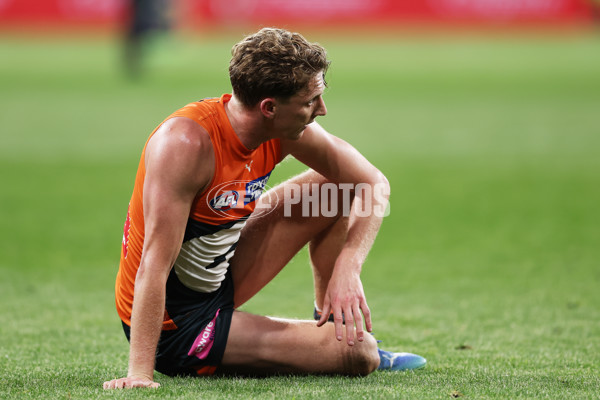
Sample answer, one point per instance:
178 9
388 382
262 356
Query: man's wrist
350 261
149 377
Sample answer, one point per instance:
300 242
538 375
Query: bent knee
362 358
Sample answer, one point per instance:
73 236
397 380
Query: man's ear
268 107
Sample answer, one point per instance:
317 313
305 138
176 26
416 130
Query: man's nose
321 108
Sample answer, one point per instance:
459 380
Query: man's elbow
381 184
152 272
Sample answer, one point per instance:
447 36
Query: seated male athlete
192 254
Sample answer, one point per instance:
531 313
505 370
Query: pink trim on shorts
205 340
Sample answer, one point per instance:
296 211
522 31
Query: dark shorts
196 347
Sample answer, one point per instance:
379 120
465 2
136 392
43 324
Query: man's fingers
128 383
324 313
113 384
366 312
360 334
349 326
338 321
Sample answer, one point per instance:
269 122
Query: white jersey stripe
198 253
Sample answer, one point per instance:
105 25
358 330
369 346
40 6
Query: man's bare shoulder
183 138
185 132
183 147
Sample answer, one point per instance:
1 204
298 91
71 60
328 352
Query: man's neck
246 124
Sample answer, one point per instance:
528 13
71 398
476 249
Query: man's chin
297 135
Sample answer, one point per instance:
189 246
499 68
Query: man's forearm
365 223
146 324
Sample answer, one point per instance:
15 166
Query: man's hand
345 295
131 382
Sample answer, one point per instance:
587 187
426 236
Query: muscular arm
179 163
341 163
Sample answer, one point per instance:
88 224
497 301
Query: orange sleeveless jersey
217 215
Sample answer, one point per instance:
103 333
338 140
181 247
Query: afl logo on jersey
225 201
237 199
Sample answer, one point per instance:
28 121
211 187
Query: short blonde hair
274 63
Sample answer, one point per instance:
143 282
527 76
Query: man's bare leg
270 239
265 346
268 242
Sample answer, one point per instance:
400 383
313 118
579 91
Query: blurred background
483 114
137 21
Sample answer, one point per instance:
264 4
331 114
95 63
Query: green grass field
488 265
